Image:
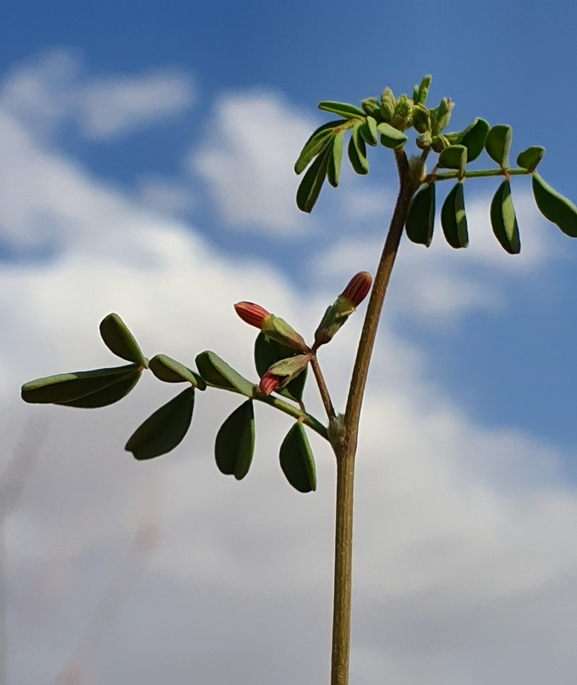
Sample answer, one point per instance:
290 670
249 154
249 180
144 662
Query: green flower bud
421 119
424 140
371 107
441 115
388 103
403 115
439 143
278 329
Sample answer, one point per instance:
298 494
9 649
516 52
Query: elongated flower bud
358 288
340 310
251 313
281 373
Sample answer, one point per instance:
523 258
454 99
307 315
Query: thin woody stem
482 173
346 449
324 391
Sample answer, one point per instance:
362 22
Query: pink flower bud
358 288
251 313
269 383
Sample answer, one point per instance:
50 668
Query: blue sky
145 168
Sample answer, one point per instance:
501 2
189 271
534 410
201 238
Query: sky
146 154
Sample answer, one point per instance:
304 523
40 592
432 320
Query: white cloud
253 142
465 561
45 90
111 106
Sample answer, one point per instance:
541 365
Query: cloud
48 89
465 561
252 143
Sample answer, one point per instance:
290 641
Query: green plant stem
346 450
482 173
291 410
324 391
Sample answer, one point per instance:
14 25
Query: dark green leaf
297 461
266 353
503 219
358 152
334 164
106 396
343 109
390 136
454 157
218 373
555 207
120 340
498 144
530 158
234 444
368 131
310 187
454 219
163 430
473 138
170 371
421 216
68 387
316 144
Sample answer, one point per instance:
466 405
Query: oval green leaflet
343 109
454 219
390 136
316 144
357 151
310 187
530 158
163 430
498 144
454 157
555 207
421 216
368 131
334 163
170 371
371 106
120 340
474 137
266 353
234 445
217 372
88 389
297 461
503 219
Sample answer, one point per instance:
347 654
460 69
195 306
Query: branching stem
482 173
324 391
346 450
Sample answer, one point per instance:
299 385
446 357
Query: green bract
498 144
421 216
555 207
503 219
88 389
120 340
234 446
163 430
297 461
454 219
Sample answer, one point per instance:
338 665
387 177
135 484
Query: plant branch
346 449
482 173
306 418
324 391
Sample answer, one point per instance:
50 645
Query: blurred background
146 154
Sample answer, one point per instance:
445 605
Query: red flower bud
358 288
269 383
251 313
